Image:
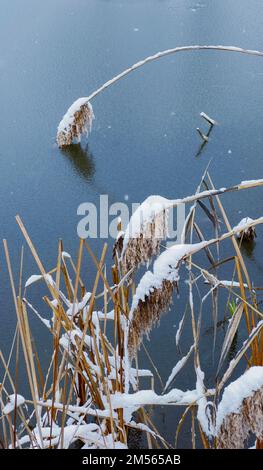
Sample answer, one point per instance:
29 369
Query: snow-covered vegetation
91 395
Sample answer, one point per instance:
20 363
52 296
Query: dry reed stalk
26 341
86 376
84 367
78 118
190 225
81 347
241 262
56 335
103 277
228 226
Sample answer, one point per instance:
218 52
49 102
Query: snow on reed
149 397
250 183
154 292
147 227
241 409
14 401
77 121
204 415
91 435
244 232
176 369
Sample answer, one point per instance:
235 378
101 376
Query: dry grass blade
180 424
230 334
176 369
207 251
212 216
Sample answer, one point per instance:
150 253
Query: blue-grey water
144 138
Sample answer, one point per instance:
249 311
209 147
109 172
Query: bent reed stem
167 52
79 116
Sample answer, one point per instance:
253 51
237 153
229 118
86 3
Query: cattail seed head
154 292
236 427
147 228
240 411
77 121
246 234
148 313
141 249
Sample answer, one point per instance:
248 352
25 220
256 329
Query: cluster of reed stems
81 397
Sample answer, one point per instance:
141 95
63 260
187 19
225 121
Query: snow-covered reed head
148 226
76 122
148 313
154 292
118 244
244 233
240 410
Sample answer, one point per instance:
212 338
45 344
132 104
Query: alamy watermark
153 219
